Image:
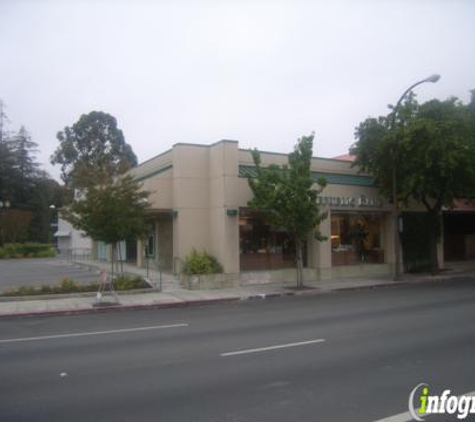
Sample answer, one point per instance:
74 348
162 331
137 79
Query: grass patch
121 283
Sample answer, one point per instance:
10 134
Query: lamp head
433 78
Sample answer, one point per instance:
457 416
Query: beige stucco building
199 197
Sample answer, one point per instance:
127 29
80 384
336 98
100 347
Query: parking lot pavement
35 272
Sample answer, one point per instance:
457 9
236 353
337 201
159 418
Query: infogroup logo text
421 403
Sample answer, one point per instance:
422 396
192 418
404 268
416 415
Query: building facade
199 199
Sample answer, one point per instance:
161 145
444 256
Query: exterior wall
76 239
64 244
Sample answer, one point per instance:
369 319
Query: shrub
201 263
27 250
126 282
67 285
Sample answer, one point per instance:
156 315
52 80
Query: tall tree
91 150
25 165
287 196
7 158
435 156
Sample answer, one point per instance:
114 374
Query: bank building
199 199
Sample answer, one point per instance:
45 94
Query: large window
264 247
356 238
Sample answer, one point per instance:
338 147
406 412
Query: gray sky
260 72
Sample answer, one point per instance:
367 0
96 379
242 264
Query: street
346 356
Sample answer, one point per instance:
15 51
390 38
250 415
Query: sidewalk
178 297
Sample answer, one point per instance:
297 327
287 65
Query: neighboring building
71 240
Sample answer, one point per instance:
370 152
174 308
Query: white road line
406 416
93 333
278 346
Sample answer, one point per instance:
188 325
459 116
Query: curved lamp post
397 264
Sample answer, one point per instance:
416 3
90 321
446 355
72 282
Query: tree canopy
92 149
434 146
286 196
111 212
28 190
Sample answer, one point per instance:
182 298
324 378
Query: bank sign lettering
349 201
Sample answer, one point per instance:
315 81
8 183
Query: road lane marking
278 346
406 416
93 333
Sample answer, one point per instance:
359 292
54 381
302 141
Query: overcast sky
260 72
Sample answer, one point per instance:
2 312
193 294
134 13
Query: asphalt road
35 272
201 363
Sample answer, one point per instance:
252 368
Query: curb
120 308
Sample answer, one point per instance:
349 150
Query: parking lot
36 272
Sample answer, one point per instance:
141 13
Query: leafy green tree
287 196
91 150
112 211
434 146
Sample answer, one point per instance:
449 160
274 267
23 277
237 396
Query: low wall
285 276
369 270
288 275
209 281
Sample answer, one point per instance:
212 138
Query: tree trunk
433 238
112 259
121 262
298 250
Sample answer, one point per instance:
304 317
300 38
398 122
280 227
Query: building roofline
205 145
239 149
153 158
286 154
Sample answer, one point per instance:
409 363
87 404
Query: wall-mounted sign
349 201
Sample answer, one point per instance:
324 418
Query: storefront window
356 239
264 247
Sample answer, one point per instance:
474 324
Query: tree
25 166
91 150
111 212
286 196
28 189
434 147
7 158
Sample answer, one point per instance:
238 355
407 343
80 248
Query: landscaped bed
121 283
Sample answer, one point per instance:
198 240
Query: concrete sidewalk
85 303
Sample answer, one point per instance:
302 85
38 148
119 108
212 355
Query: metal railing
76 254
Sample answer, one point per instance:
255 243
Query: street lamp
397 270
